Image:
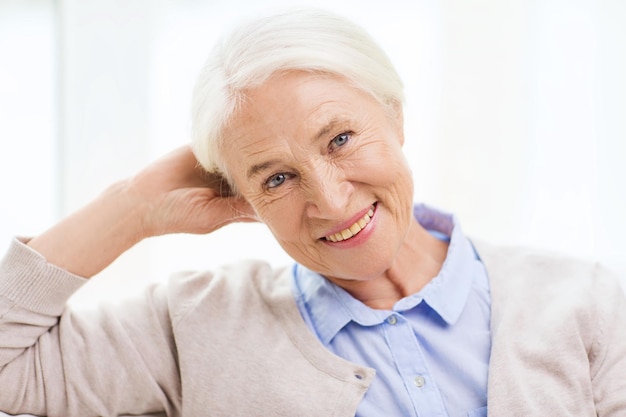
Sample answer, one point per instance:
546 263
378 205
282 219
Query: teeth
352 230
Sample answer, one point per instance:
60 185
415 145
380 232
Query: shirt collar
328 315
331 308
448 291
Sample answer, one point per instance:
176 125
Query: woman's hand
180 196
172 195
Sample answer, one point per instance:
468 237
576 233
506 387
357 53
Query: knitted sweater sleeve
110 361
608 351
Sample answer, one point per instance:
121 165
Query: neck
418 261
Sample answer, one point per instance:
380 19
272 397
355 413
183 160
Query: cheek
403 186
282 217
390 174
383 166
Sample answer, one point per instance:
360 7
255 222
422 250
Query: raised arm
116 360
172 195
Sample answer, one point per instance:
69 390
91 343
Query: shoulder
538 287
557 318
241 286
517 268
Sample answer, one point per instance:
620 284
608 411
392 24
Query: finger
216 182
234 209
242 210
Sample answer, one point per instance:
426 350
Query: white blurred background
515 116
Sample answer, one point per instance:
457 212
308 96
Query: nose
328 192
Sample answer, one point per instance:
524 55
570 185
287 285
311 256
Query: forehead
296 96
290 110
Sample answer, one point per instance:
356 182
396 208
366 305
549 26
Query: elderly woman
388 310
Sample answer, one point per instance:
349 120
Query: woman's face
322 165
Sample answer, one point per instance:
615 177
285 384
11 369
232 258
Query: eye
340 140
276 180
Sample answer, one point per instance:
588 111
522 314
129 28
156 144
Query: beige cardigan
232 343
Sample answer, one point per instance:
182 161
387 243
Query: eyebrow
327 128
257 168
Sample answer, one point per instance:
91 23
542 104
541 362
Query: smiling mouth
353 230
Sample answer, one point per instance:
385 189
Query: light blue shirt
431 350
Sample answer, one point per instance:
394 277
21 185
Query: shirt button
419 381
392 320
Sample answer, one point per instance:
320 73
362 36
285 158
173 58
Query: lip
361 237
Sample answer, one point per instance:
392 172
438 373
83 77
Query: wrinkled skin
310 153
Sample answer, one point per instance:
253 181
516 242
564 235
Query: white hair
306 40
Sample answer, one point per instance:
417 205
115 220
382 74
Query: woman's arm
172 195
114 360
